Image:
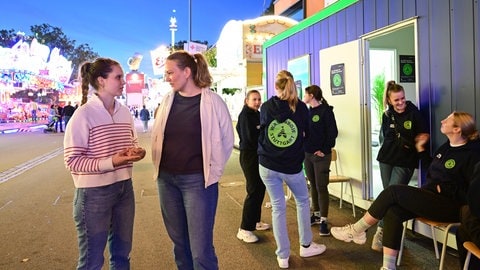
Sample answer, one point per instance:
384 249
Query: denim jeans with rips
104 214
188 210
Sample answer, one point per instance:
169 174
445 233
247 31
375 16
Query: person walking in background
451 171
144 117
59 115
68 111
100 147
34 109
402 123
248 129
283 125
318 154
192 139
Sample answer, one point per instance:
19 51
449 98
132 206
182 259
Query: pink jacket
217 134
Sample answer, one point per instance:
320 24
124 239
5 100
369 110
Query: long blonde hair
197 64
287 90
466 123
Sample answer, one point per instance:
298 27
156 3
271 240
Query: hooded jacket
282 132
323 130
409 124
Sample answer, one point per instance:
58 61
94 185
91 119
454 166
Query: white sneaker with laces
282 263
313 250
347 234
246 236
261 226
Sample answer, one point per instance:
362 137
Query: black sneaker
314 220
324 231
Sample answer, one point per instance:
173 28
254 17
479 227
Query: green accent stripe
322 14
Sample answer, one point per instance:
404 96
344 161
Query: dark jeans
318 173
59 122
468 231
398 203
104 215
252 206
393 175
188 210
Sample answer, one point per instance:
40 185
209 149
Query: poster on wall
407 68
300 69
337 82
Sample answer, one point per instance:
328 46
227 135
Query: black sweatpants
398 203
252 206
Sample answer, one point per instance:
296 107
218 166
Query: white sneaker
261 226
246 236
347 234
282 263
313 250
377 244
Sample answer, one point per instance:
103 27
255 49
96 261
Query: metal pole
189 20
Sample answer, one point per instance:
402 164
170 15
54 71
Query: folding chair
336 178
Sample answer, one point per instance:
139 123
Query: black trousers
469 230
398 203
252 206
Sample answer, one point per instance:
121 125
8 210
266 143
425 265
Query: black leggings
398 203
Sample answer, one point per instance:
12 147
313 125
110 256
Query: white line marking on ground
5 205
19 169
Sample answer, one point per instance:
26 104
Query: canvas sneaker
246 236
313 250
347 234
377 241
261 226
315 219
324 231
282 263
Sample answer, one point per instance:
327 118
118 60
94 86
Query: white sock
389 261
361 225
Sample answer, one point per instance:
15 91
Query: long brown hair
197 64
90 71
286 86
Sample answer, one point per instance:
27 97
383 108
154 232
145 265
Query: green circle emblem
315 118
337 80
407 69
282 134
407 124
449 164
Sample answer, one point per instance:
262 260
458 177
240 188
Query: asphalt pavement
37 231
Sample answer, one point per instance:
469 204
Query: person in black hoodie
318 153
248 129
283 126
448 179
397 157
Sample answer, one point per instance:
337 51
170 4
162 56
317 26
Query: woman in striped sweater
100 148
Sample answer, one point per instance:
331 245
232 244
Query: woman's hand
420 141
132 154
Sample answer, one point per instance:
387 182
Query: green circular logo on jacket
407 124
282 134
315 118
450 163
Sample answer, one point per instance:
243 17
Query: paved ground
39 234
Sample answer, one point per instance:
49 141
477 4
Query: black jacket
282 131
322 130
248 128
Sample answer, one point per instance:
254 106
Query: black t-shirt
182 144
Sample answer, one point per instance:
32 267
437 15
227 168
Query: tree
52 37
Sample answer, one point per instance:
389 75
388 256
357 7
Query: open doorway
385 52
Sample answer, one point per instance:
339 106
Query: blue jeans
393 175
273 181
188 210
104 214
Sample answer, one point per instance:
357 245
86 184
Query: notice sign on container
337 82
407 68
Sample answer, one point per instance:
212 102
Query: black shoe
324 231
314 220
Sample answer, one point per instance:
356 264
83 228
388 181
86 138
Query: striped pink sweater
92 137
